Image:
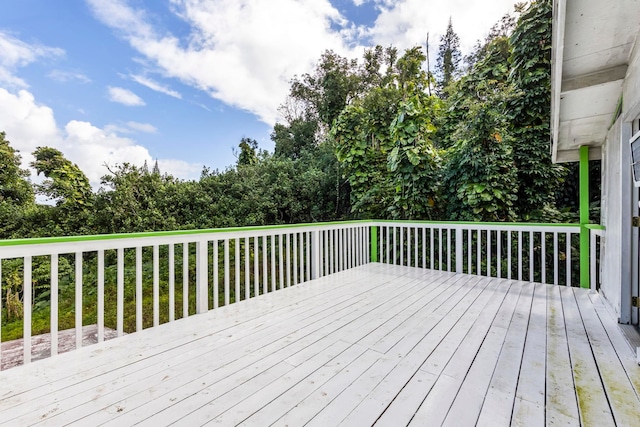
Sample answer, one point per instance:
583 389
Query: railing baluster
424 247
100 314
568 257
555 259
54 303
479 253
431 254
78 303
416 246
236 264
295 258
120 293
273 262
287 243
469 251
509 254
388 244
304 256
185 278
265 267
395 245
402 230
543 256
531 255
488 252
256 274
519 255
26 327
440 248
227 279
499 253
156 285
202 279
247 273
281 260
138 288
216 275
448 249
172 282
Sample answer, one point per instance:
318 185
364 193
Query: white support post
459 256
202 297
315 254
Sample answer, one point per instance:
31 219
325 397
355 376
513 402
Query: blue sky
182 81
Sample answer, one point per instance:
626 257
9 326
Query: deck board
378 344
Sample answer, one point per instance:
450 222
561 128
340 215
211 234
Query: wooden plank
165 376
45 380
623 399
561 404
530 392
408 355
281 404
136 390
436 405
402 408
478 314
625 354
498 403
592 401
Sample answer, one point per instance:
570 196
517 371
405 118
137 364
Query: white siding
616 214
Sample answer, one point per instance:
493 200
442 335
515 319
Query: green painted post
374 243
584 216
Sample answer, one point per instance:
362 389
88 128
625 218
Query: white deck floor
377 344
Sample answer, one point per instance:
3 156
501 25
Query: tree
530 112
248 152
448 62
383 140
16 194
294 139
480 178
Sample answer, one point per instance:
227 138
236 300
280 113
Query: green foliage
248 152
529 113
448 61
16 194
479 178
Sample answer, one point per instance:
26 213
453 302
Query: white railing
595 244
546 253
126 283
145 279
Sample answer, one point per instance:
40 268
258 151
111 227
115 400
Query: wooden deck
378 344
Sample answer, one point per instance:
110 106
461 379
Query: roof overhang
592 44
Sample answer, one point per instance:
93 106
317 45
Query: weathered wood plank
561 404
592 400
622 397
382 344
530 393
498 404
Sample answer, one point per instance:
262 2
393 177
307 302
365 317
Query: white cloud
68 76
142 127
29 125
405 23
153 85
245 52
16 53
124 96
241 52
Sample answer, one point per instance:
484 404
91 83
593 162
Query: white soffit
592 43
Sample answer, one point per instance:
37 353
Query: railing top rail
506 226
478 224
595 227
173 233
